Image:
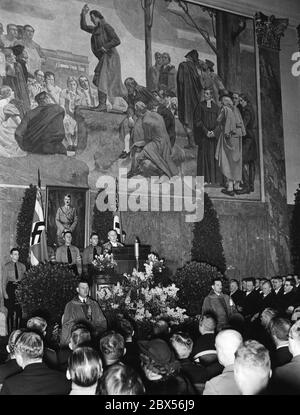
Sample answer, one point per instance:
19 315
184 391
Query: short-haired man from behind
279 330
10 367
227 343
36 378
252 368
84 370
286 379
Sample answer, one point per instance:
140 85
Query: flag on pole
117 224
38 240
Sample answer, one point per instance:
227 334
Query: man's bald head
227 343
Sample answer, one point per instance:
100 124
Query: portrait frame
80 200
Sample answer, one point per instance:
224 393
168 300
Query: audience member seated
279 330
82 308
268 296
183 345
84 370
277 284
112 242
227 343
112 348
36 378
252 301
296 315
80 336
39 325
204 350
289 298
252 368
161 330
69 254
131 357
236 295
120 380
162 370
286 378
10 367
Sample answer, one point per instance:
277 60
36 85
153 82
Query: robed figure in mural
189 89
107 77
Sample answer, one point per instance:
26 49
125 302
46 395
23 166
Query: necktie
95 253
16 272
69 255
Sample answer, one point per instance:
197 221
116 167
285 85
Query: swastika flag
38 240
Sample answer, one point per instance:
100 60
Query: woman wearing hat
161 369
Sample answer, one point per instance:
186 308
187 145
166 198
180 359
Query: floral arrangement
141 300
105 263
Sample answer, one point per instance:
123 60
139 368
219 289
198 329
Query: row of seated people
115 362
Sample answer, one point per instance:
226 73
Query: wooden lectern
126 261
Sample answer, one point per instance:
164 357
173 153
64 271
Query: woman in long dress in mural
107 77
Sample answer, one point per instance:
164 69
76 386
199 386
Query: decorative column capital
269 30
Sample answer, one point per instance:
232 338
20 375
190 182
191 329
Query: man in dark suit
89 254
10 367
289 298
268 299
69 254
286 379
252 300
236 295
12 273
277 284
36 378
279 329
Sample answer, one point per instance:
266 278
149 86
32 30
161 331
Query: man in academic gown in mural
107 77
42 130
189 89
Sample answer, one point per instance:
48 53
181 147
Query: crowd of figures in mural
38 116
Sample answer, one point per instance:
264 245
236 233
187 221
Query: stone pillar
269 31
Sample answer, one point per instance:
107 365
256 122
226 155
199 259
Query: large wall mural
88 86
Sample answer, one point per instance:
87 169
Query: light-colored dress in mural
69 100
9 121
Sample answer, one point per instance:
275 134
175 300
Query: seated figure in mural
89 93
52 90
107 77
9 120
131 127
168 73
41 130
189 89
35 85
151 156
206 137
248 145
69 99
229 147
66 219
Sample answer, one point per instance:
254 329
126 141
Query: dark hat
209 63
158 350
192 54
17 49
224 93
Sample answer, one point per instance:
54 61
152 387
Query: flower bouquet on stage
104 271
